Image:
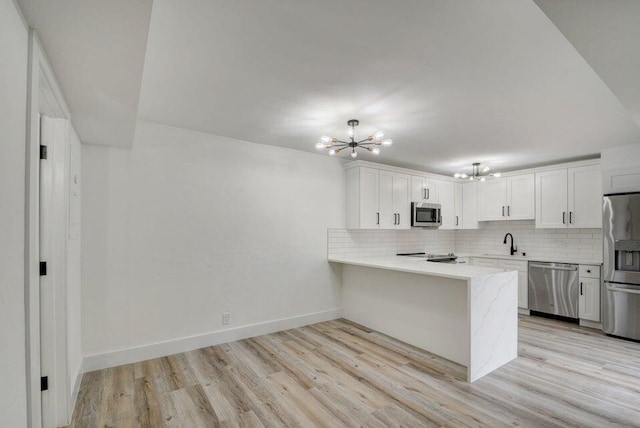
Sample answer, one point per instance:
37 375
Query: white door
585 196
388 218
589 299
458 205
521 197
523 280
53 285
447 201
551 199
369 199
401 200
469 206
492 200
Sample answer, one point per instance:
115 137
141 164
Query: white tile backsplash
356 242
563 243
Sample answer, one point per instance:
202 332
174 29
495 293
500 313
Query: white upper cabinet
450 195
424 189
470 205
551 199
508 198
521 199
585 196
569 198
378 199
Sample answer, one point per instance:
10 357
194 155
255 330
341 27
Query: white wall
186 226
13 98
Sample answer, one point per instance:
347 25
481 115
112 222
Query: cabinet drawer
484 262
589 271
520 266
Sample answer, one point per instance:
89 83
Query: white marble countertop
573 260
419 265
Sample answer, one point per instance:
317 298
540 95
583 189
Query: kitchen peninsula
466 314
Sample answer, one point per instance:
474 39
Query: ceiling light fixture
335 146
478 173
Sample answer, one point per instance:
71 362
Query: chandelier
335 146
478 173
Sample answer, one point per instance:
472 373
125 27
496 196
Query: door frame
43 97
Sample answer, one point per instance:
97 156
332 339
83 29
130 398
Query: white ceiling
450 82
607 35
96 49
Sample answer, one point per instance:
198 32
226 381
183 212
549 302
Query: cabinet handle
428 193
581 289
503 211
564 215
570 216
456 220
398 218
508 210
377 218
424 193
395 218
588 270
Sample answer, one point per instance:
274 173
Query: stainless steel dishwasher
553 289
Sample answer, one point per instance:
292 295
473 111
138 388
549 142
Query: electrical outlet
226 318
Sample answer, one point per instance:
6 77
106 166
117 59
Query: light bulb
326 139
456 175
332 152
497 174
485 169
483 179
463 175
375 151
378 135
471 179
387 142
350 132
354 154
320 146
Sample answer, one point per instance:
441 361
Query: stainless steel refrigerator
621 292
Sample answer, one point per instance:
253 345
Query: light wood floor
340 374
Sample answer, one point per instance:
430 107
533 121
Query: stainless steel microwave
425 215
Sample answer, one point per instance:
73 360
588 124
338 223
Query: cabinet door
388 219
470 206
589 299
369 198
401 200
447 201
585 196
551 199
521 197
418 188
492 200
457 192
523 280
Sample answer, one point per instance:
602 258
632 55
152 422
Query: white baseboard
162 349
523 311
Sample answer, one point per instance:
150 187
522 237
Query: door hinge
44 383
43 152
43 268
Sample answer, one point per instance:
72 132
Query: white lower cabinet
589 294
518 265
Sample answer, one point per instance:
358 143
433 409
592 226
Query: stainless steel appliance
425 215
553 289
621 291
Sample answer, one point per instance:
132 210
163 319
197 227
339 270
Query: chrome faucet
513 249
